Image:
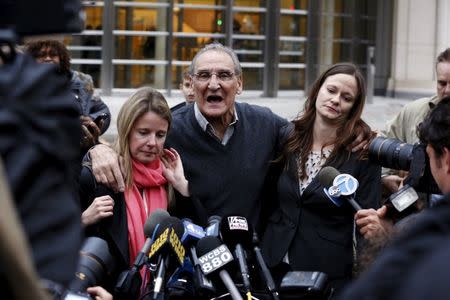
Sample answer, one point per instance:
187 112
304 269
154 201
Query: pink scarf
150 179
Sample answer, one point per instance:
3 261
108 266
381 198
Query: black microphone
236 233
265 273
213 226
129 282
192 234
165 246
339 186
214 258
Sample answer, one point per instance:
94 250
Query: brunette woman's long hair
300 140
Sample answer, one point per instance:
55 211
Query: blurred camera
95 264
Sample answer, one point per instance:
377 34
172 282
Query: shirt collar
204 123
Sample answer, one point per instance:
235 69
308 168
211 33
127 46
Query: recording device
213 226
167 247
214 258
305 285
264 270
237 234
394 154
339 187
192 234
129 282
95 264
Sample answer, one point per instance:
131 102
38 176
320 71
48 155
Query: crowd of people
214 156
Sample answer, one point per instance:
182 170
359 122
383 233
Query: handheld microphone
192 234
236 233
167 245
339 186
213 258
265 273
129 282
213 226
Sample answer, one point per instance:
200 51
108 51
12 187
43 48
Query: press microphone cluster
338 187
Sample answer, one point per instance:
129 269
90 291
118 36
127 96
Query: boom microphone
339 186
129 282
164 247
236 233
213 258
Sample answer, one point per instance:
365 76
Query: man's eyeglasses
206 75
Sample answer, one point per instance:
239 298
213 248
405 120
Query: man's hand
101 207
106 167
173 171
373 223
99 293
392 182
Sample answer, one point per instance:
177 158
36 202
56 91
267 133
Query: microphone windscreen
206 244
177 226
236 230
326 176
214 219
155 218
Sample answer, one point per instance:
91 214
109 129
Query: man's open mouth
214 98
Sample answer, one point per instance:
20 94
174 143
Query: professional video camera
95 264
394 154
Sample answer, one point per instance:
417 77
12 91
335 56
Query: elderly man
394 274
226 146
403 126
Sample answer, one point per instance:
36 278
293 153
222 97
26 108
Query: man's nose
213 82
447 89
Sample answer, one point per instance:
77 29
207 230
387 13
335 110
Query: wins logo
237 223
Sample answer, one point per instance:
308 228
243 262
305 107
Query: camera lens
391 153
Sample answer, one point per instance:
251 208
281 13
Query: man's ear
446 160
240 80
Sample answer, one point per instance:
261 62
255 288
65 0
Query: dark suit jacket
317 233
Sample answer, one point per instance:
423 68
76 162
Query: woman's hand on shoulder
100 208
174 172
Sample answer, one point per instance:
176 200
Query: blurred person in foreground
39 141
94 113
308 231
394 272
151 173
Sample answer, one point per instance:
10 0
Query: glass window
295 4
292 79
135 76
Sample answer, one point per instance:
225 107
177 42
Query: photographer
391 271
402 127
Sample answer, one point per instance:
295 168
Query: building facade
282 44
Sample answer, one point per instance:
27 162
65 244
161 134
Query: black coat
317 233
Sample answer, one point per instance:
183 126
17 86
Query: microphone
265 273
129 282
339 186
165 246
213 258
236 233
192 234
213 226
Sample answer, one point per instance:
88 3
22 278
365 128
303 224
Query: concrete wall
421 31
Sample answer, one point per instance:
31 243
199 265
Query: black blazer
114 230
317 233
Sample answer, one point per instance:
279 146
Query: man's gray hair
219 48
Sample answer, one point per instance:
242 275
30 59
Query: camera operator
390 272
403 126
